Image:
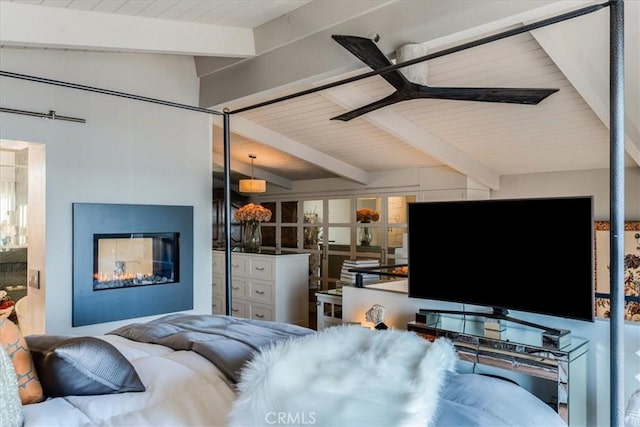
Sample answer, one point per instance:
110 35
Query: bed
208 370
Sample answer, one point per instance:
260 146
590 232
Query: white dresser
263 286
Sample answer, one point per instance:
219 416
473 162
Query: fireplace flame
125 280
103 277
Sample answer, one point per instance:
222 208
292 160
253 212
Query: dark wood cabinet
218 220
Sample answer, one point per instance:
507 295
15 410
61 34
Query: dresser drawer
238 265
260 268
217 285
239 308
258 312
261 291
217 305
217 263
239 287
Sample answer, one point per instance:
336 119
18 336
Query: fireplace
131 261
137 259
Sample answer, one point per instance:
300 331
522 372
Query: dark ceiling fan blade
391 99
367 51
529 96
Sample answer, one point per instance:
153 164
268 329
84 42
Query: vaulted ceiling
247 52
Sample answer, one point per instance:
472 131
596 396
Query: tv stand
566 367
501 314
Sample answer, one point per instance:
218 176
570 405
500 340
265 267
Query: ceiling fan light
252 186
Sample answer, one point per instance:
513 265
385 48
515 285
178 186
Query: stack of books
350 276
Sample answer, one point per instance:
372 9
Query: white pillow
10 405
632 414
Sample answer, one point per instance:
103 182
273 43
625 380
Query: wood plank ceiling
296 140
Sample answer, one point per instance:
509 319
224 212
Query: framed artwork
631 269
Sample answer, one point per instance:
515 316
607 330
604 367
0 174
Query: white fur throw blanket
344 376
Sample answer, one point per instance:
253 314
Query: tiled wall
13 267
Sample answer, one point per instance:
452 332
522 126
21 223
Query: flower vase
365 236
252 239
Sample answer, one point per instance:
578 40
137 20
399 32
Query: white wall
128 151
575 183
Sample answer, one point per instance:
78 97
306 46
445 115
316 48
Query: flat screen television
534 255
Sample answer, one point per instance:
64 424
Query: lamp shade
252 186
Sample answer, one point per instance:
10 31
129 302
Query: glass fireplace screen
137 259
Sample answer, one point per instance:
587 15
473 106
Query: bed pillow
81 366
632 413
10 405
15 346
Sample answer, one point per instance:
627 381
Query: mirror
13 197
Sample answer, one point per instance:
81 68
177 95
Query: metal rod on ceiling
106 92
616 208
464 46
50 115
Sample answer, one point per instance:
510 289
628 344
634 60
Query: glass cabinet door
397 228
289 228
338 250
312 232
337 245
268 228
335 230
369 237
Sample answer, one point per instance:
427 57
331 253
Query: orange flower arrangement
401 270
252 213
367 215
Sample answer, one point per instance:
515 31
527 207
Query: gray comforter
227 342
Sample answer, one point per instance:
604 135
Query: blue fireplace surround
98 306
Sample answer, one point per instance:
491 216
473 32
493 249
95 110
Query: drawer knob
235 265
260 268
260 292
260 316
235 287
235 310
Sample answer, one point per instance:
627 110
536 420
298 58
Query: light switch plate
34 278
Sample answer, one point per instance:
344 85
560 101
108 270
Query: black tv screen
532 255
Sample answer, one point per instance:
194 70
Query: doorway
22 232
14 157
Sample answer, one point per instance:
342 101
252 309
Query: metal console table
567 366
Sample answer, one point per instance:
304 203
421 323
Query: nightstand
329 309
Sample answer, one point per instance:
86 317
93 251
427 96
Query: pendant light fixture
252 185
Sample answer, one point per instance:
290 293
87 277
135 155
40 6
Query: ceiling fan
368 52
